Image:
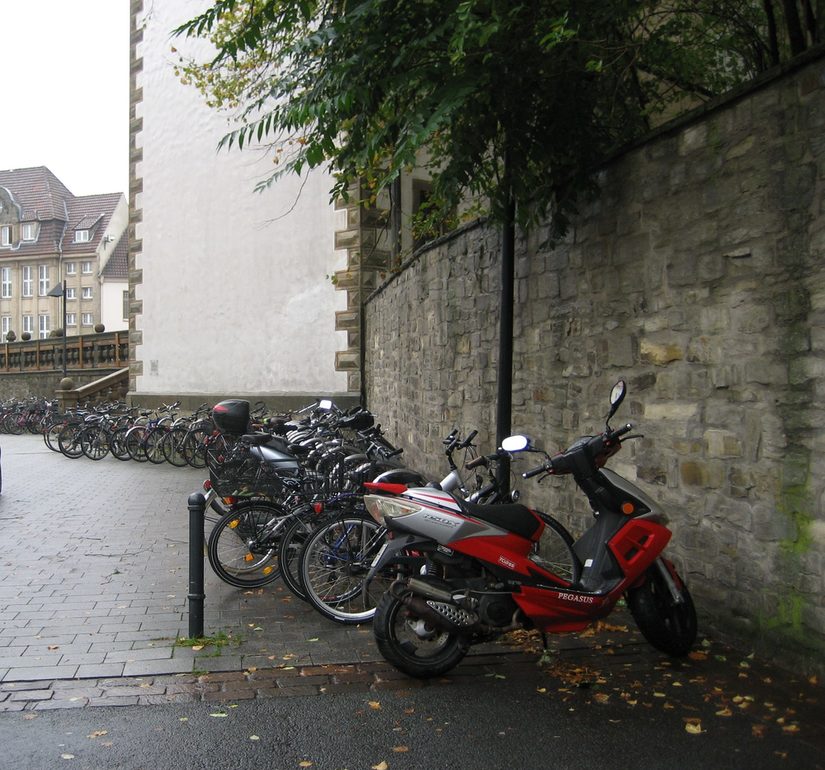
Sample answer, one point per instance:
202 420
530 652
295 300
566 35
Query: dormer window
28 232
81 236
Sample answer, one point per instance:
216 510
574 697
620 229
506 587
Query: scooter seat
515 518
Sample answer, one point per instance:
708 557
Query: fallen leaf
791 728
197 647
758 731
54 647
218 714
380 766
97 733
401 749
254 737
694 727
67 756
375 705
698 656
305 763
725 712
601 697
183 719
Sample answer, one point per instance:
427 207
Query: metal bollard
197 509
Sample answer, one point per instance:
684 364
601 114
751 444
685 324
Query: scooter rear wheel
669 626
411 644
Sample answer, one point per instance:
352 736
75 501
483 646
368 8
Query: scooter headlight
382 508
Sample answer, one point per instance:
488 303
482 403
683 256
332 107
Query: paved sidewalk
94 579
93 587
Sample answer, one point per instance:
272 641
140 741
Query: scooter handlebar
544 468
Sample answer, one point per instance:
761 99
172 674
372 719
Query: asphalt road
497 723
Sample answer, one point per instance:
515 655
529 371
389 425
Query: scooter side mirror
516 444
616 397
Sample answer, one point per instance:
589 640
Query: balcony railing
108 350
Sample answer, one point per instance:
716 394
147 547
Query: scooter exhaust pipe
420 608
430 591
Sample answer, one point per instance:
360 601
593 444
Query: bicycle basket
237 473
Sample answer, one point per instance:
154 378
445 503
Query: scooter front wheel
667 625
412 644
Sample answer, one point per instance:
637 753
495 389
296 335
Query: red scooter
469 573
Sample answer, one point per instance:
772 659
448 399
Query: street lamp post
60 291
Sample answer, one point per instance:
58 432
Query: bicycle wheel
290 547
172 446
152 446
194 447
243 546
334 562
134 443
15 423
554 552
94 442
50 435
68 440
117 443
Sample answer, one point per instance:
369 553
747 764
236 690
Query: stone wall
43 384
698 276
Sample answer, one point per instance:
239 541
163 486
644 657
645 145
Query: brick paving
93 593
93 602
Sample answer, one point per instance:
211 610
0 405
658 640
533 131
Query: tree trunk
796 36
773 38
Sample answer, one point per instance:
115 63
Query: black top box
231 416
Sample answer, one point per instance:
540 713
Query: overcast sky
65 67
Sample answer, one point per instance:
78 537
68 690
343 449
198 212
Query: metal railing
108 350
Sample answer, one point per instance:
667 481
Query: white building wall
235 293
111 305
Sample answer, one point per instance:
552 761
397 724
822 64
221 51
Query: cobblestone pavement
93 589
94 581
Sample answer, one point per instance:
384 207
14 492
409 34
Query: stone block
348 239
660 354
721 444
620 350
708 475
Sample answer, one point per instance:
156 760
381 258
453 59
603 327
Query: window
28 323
71 292
81 236
43 280
44 326
125 305
5 235
86 268
71 319
71 268
29 231
5 282
87 292
6 325
28 286
86 319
